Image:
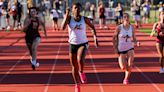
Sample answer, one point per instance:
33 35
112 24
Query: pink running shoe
83 78
77 88
126 82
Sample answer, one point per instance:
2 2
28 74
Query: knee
123 68
75 68
129 68
161 56
33 49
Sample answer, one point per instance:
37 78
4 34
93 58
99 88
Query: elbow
62 27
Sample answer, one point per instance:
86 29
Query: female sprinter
32 36
159 29
123 41
78 42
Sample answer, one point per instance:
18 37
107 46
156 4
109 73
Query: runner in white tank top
123 40
77 31
78 42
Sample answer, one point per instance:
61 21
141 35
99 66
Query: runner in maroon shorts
32 37
159 29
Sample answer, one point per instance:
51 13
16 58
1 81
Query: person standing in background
102 21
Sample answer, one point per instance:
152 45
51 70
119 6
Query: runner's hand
67 11
96 42
137 43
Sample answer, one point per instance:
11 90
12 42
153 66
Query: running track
54 73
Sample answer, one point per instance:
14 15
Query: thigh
159 49
29 45
82 52
73 59
130 56
122 61
36 42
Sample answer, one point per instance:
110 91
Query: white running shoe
8 27
105 27
34 64
15 28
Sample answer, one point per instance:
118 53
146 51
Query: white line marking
95 70
54 65
151 82
12 68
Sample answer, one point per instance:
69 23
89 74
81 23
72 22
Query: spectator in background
135 8
161 8
57 5
87 8
146 10
19 14
55 17
119 10
102 20
41 11
92 15
6 13
47 6
14 13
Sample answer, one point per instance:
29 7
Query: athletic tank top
32 30
77 31
125 38
102 11
160 39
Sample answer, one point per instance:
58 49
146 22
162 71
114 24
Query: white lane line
146 77
95 70
149 79
12 68
54 65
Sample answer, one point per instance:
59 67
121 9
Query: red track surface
54 73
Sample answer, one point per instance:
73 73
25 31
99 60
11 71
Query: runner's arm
115 39
26 24
134 37
66 19
87 21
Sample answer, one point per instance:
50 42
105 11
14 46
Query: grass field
148 31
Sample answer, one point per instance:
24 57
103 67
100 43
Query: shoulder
132 26
156 24
118 28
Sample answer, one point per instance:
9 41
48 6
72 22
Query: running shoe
34 64
83 77
8 27
15 28
77 88
126 82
